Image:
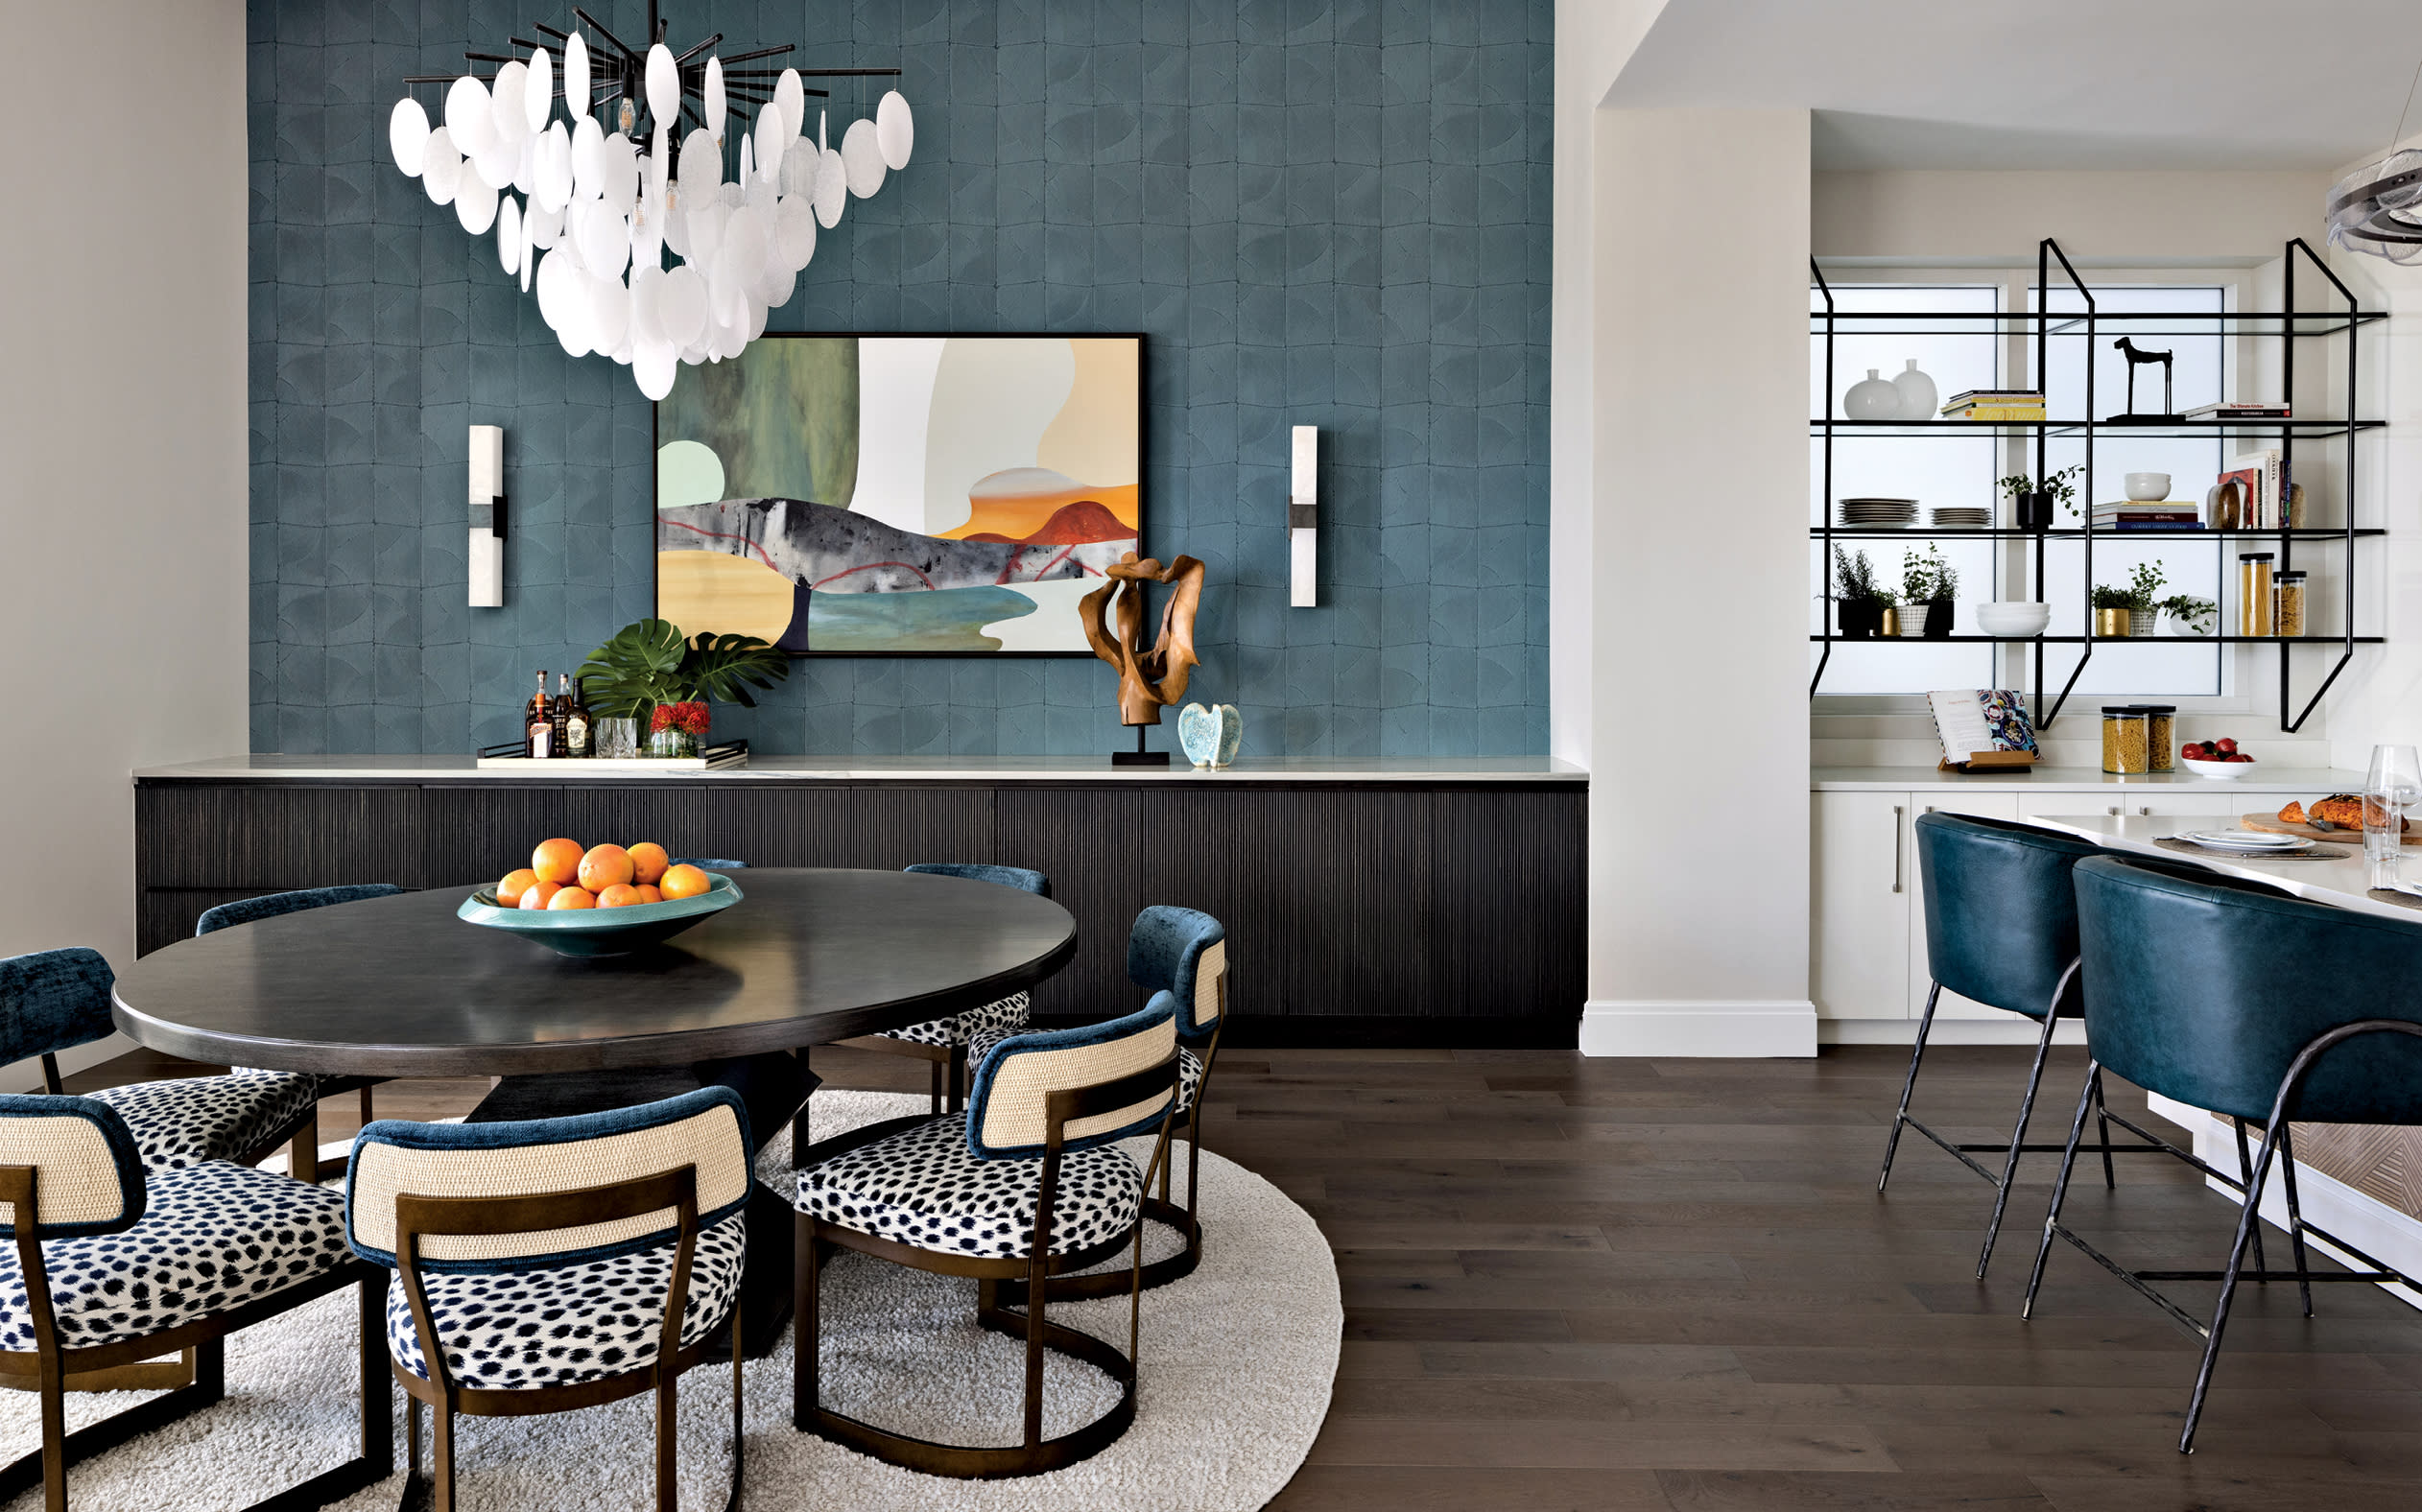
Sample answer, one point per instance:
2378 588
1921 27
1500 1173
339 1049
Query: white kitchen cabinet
1860 892
2140 803
1985 806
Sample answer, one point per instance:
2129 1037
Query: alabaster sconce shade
486 555
1304 519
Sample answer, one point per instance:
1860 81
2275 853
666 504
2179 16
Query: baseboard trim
1375 1032
2012 1031
2362 1219
1699 1027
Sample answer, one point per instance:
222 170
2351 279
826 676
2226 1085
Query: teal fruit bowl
600 931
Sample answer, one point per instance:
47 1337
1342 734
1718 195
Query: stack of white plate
1879 514
1962 516
2250 843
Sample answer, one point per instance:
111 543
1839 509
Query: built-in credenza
1358 912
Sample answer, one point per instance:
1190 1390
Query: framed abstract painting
901 495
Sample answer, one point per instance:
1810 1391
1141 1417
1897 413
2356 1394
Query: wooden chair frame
949 1064
1036 1454
419 1216
49 1367
1158 1209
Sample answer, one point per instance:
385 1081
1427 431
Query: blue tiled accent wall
1325 212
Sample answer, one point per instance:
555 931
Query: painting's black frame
1142 462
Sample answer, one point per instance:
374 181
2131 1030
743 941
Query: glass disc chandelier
587 208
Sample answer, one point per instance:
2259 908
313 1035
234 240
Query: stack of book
1995 404
2139 515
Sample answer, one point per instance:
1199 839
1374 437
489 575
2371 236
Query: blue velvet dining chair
304 1153
115 1262
1026 1183
548 1264
2203 988
2001 930
943 1042
1179 954
55 1000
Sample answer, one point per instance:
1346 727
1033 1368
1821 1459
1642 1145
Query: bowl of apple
2219 758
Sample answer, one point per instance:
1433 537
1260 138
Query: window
1951 330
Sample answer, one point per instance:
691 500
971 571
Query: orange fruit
516 882
572 898
605 867
649 894
557 861
648 861
684 881
621 895
538 894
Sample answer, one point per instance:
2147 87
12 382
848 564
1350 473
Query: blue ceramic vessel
602 931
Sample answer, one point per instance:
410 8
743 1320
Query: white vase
1918 399
1872 398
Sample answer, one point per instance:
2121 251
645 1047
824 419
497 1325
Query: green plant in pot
2190 615
2031 502
649 671
2132 610
1862 600
1929 585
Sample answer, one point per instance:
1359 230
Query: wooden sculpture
1113 616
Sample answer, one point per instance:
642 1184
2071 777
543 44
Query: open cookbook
1983 729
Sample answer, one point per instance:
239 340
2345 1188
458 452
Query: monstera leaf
640 667
647 663
725 666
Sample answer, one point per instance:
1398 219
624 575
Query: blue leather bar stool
2201 988
2001 928
306 1152
943 1042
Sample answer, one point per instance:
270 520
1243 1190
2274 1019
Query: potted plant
649 673
2031 502
1938 602
2144 605
1862 600
1921 579
2188 615
2111 607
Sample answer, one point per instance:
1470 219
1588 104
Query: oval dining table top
399 987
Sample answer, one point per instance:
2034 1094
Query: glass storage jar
2126 739
2160 721
2253 593
2286 616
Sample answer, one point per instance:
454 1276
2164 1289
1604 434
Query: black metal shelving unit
2292 327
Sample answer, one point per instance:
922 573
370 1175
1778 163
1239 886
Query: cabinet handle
2146 812
1896 847
2113 810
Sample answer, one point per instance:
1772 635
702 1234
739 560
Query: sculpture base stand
1139 756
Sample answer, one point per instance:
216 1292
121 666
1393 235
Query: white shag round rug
1238 1360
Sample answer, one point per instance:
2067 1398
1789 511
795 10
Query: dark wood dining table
400 987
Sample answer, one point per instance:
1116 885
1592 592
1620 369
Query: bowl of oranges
600 900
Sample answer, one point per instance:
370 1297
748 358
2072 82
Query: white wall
2107 219
122 449
1699 946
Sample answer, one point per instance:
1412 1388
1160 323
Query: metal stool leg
1900 1116
2103 1123
2018 1136
2296 1216
2248 1226
2060 1187
2245 1175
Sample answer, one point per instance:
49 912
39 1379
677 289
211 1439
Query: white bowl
2146 487
2014 619
2218 768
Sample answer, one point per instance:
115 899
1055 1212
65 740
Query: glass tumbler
2390 791
618 740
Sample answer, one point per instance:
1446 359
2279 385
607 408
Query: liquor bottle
538 724
559 714
577 723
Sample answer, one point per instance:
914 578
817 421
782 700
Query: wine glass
2391 788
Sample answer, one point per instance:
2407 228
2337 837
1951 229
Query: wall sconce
1303 518
486 555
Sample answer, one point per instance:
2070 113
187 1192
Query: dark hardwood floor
1669 1285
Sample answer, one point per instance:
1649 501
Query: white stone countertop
271 768
2313 781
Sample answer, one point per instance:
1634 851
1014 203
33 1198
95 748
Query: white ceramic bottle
1918 399
1872 398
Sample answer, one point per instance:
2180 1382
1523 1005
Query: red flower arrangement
690 719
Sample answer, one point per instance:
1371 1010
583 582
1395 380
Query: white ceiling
2048 83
